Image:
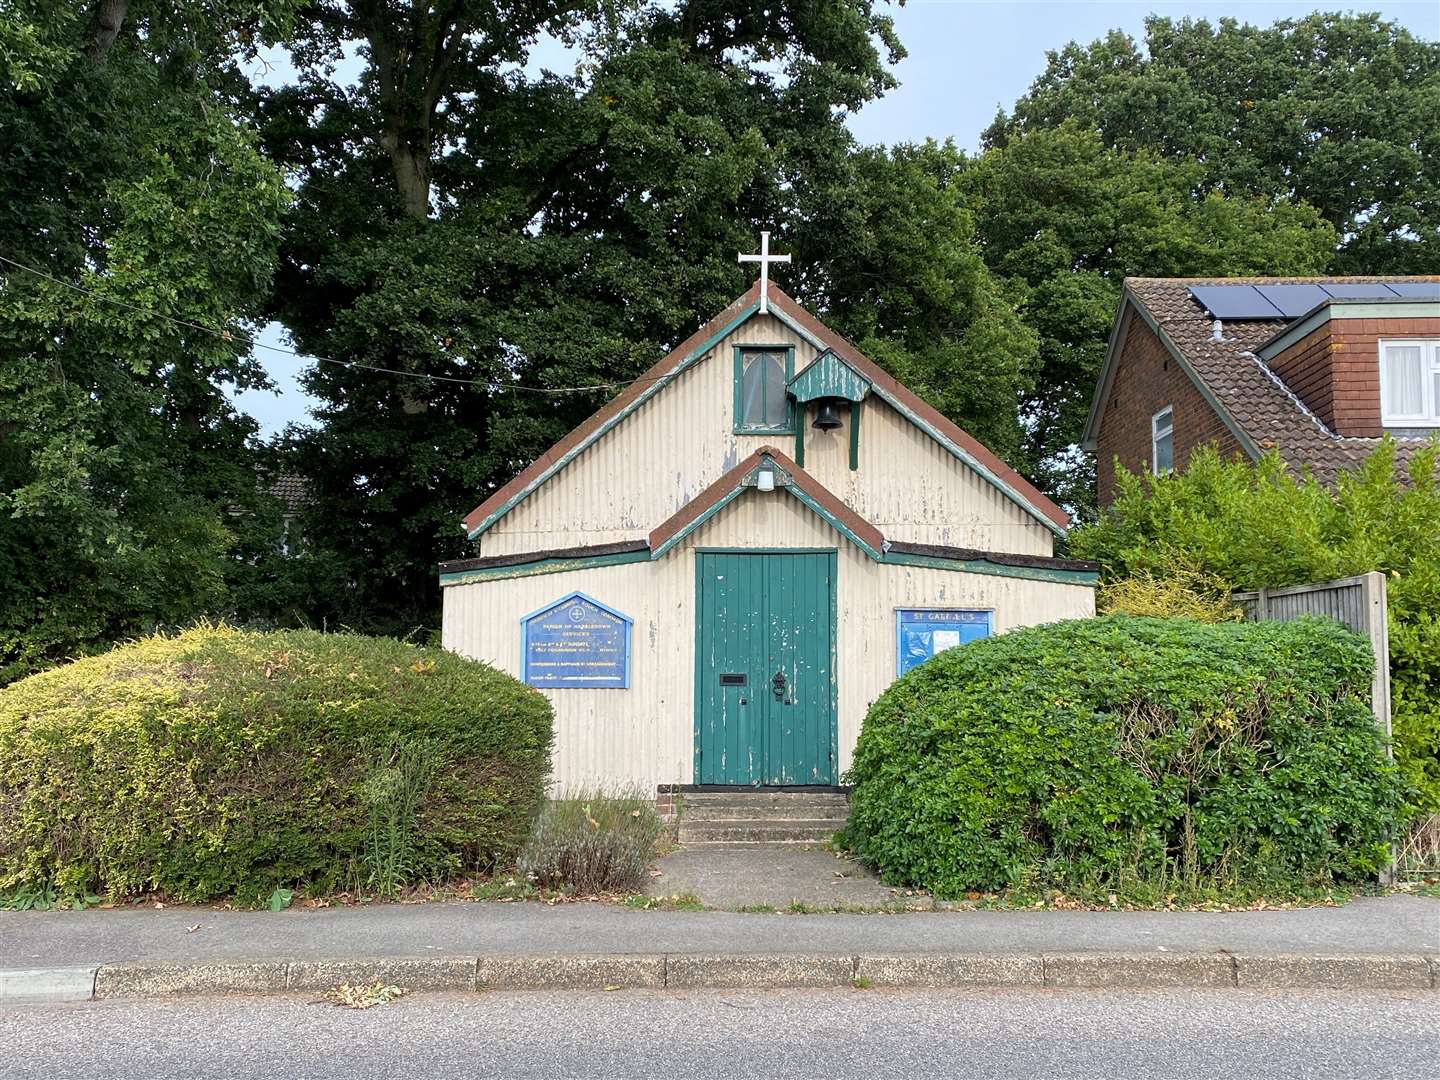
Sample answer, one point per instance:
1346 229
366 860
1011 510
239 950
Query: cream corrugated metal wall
681 440
644 736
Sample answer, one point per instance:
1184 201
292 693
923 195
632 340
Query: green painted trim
834 667
954 450
544 566
835 523
1339 309
800 438
828 376
783 482
983 566
696 707
854 436
764 550
736 428
645 395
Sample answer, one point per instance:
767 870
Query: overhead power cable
255 343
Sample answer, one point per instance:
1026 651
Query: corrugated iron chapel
716 574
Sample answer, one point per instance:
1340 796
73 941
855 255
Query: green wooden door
764 668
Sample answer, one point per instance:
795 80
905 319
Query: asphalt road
793 1034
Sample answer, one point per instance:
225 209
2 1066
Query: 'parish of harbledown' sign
576 642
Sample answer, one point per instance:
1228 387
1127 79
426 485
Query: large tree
498 234
127 482
1067 220
1335 110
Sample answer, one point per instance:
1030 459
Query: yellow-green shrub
226 763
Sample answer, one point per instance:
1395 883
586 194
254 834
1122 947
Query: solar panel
1364 290
1234 302
1417 290
1293 300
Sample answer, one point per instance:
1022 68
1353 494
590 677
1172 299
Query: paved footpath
1383 942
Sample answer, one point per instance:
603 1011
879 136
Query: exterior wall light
765 478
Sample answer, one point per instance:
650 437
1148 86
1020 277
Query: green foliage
43 898
1067 219
1332 110
280 899
393 792
1121 753
223 763
937 319
1256 525
129 174
592 842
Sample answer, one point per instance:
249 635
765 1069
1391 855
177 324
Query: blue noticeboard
576 642
920 633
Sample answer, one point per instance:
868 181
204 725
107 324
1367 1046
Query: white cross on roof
764 259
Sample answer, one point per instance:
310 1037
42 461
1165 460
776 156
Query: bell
827 416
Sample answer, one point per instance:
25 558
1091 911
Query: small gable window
1410 383
761 406
1162 441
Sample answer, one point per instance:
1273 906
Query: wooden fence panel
1358 602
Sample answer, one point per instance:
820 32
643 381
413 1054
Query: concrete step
764 798
743 812
758 831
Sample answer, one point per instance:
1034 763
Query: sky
967 58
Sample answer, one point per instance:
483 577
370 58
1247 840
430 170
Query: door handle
778 685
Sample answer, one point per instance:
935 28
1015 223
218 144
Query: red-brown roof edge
727 483
1020 487
912 401
609 409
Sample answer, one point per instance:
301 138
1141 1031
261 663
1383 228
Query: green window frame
739 426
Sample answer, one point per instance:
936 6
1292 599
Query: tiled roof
1256 400
290 489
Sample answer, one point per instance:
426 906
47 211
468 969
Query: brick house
1318 368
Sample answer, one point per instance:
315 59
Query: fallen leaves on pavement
364 996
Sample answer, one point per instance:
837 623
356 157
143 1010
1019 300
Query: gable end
850 365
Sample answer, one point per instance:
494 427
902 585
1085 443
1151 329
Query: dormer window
1410 383
761 405
1162 441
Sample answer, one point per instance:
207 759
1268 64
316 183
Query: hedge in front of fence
222 763
1239 524
1128 753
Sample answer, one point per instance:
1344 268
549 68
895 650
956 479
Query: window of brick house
1162 441
1410 383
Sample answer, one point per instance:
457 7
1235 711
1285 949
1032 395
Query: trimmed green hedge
1118 751
225 763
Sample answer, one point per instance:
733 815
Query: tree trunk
412 175
109 18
